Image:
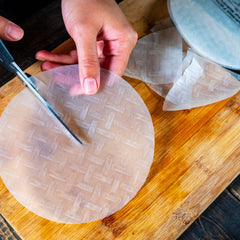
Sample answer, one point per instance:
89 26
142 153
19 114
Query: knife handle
6 58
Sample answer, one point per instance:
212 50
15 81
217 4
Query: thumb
10 31
89 69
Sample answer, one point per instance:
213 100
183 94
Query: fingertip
49 65
45 66
90 86
41 55
89 78
14 32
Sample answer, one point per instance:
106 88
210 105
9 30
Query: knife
8 62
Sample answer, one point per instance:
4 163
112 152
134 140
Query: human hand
103 37
10 31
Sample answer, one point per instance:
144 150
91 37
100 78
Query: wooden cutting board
196 156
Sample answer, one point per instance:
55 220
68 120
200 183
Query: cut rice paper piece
157 57
161 89
131 69
60 180
203 82
185 80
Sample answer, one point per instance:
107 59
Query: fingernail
90 86
14 31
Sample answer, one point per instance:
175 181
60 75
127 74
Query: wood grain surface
220 220
196 157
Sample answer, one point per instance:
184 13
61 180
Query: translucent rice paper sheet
151 58
132 70
203 82
60 180
190 82
210 27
